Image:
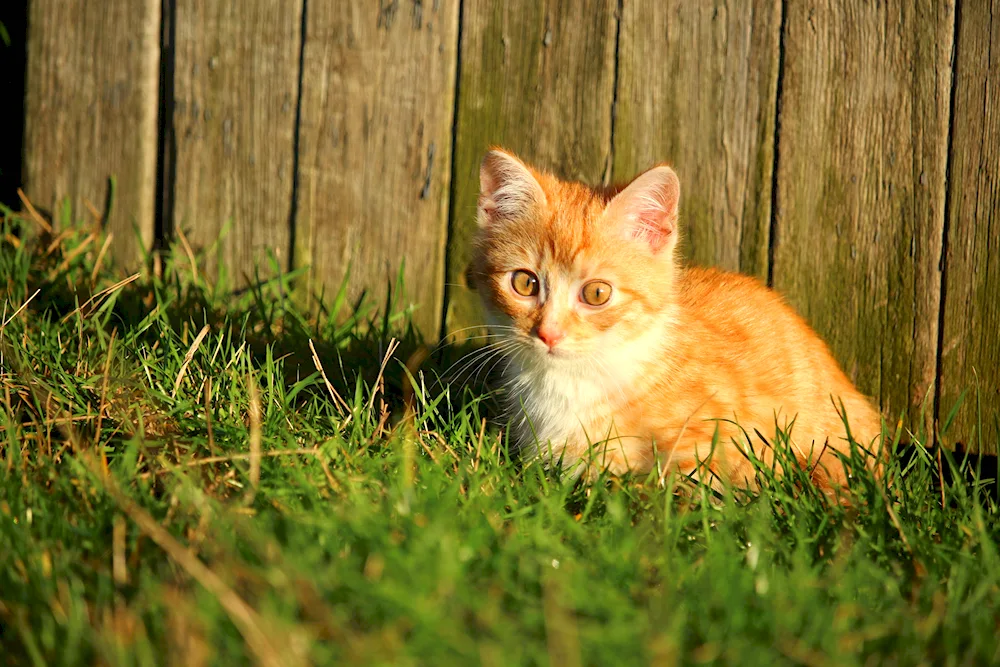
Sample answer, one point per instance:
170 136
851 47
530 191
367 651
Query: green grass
250 513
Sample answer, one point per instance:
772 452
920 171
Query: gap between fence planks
970 350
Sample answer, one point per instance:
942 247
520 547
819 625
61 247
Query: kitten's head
573 271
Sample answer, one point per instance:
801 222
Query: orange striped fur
675 355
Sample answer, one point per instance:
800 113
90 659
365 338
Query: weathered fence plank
971 336
235 93
862 152
697 85
537 78
91 101
375 148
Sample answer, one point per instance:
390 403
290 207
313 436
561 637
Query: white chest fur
553 405
555 402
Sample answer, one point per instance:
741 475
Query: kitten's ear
648 208
507 189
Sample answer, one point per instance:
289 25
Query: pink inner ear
487 204
507 188
649 205
652 225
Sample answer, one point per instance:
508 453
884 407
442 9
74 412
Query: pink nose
550 335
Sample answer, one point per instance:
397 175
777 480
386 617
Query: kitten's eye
524 282
596 293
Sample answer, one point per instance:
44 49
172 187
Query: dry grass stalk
104 292
18 311
187 359
189 253
256 437
329 387
209 460
118 563
71 255
94 213
39 220
104 397
208 414
100 257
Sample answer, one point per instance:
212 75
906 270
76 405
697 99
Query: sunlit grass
194 474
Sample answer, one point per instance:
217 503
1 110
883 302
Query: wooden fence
847 152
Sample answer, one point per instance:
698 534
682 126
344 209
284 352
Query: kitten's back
757 336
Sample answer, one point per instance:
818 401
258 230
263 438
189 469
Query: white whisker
482 364
481 356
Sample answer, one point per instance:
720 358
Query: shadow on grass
268 315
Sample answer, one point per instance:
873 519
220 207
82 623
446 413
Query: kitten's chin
557 356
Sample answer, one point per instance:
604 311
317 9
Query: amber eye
596 293
524 282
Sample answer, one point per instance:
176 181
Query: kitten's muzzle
550 334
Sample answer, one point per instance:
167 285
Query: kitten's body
717 363
677 356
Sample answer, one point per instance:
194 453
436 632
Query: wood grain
235 95
697 86
971 335
538 79
862 154
91 102
375 149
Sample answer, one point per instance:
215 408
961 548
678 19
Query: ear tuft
648 208
507 189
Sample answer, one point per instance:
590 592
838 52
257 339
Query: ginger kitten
621 358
